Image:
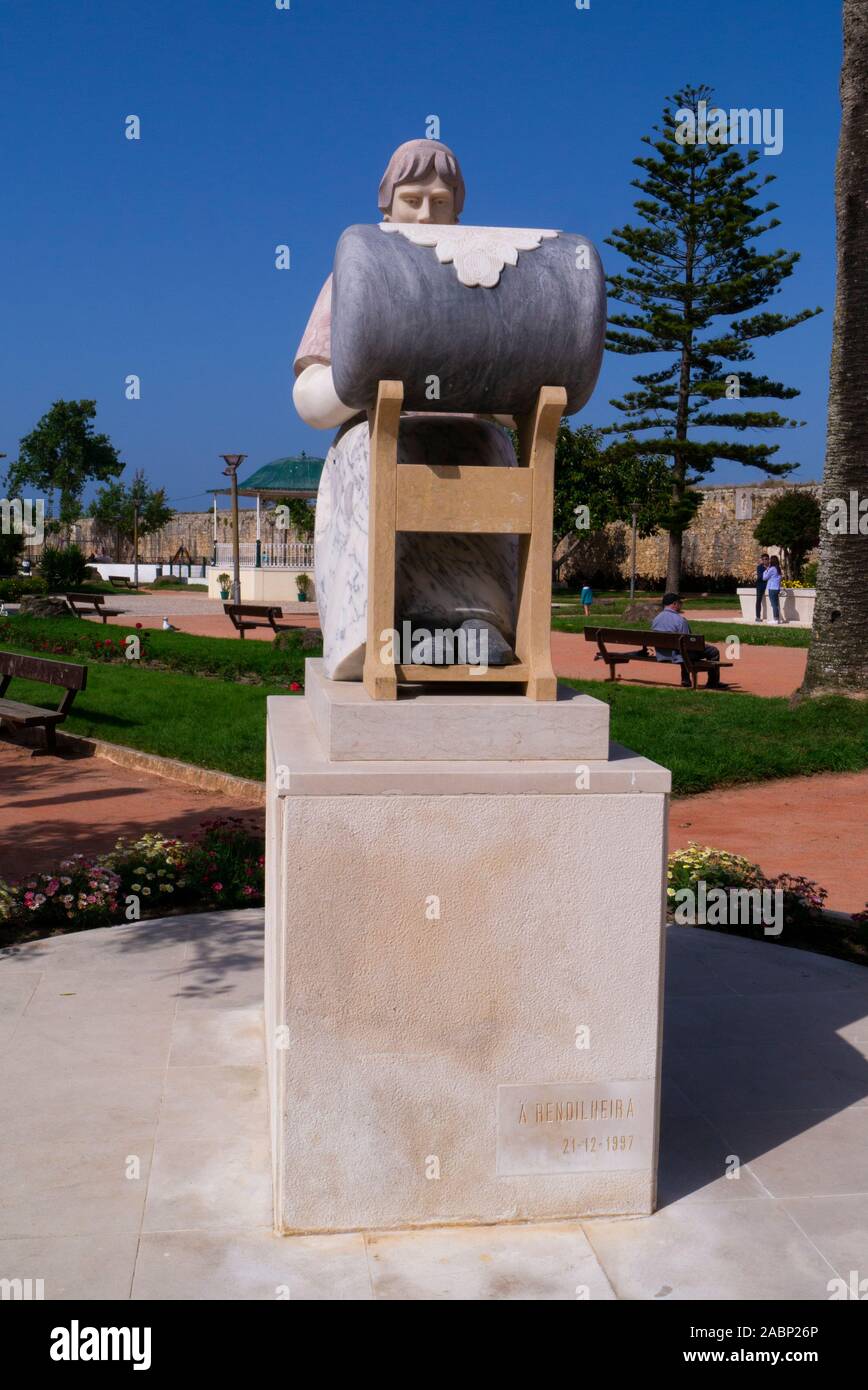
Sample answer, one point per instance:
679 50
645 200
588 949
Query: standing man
671 619
761 585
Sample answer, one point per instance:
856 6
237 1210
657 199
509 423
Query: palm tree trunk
838 657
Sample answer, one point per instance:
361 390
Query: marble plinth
463 975
470 724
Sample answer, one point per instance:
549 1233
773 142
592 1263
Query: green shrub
63 568
809 574
802 900
11 590
11 546
227 862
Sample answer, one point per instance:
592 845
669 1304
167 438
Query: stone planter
797 606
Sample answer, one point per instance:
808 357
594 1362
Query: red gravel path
814 826
758 670
53 807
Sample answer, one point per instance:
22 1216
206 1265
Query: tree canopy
694 290
791 522
114 509
61 455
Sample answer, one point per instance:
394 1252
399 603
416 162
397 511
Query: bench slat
20 713
38 668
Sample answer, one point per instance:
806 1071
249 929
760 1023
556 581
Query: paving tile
694 1165
69 1106
252 1265
717 1021
710 1250
550 1261
205 1186
838 1226
219 1037
107 994
75 1189
221 980
803 1153
84 1267
73 1031
768 1077
15 994
206 1103
674 1103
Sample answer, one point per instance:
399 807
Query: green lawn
622 599
766 636
217 720
229 658
211 723
715 740
707 740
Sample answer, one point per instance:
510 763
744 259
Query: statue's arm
316 399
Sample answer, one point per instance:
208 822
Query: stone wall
195 530
718 546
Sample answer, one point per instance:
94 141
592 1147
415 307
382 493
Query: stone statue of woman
442 581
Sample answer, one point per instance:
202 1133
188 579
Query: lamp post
136 505
635 514
231 472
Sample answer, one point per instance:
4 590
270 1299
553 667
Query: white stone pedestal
463 977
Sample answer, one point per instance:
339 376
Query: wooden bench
91 606
689 646
245 615
36 668
120 581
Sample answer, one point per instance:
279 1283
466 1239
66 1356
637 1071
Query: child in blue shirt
587 599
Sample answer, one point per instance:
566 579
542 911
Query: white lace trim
478 253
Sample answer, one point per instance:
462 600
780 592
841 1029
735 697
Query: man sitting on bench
671 619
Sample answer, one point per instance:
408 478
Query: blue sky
263 126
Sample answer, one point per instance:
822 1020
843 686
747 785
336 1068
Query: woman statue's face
425 200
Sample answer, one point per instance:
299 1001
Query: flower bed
223 865
726 892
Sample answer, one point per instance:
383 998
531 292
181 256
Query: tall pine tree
693 263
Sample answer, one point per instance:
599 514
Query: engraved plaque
567 1127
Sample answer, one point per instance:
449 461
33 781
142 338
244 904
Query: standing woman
772 579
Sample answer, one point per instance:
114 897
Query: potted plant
303 585
223 581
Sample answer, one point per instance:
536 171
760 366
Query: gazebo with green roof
281 480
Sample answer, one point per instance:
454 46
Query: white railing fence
291 555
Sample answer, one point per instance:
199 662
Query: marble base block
462 985
471 724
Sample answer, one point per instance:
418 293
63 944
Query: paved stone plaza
145 1043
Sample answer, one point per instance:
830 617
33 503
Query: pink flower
217 887
52 887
